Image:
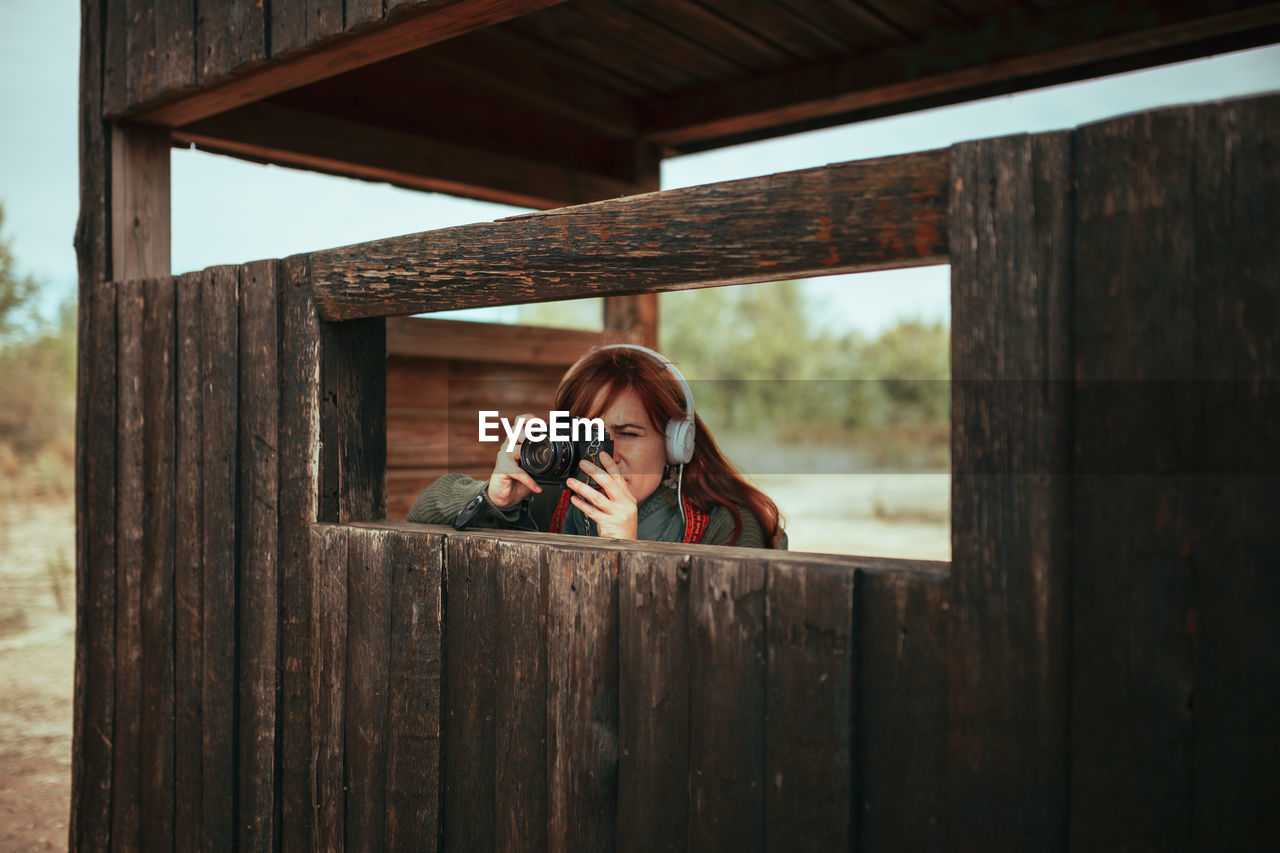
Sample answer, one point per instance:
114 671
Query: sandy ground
897 515
37 655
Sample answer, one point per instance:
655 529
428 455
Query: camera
551 462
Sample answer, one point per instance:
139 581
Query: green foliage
775 374
37 389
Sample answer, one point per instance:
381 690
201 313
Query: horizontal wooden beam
310 140
427 24
456 340
851 217
1005 54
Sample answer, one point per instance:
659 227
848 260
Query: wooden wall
609 695
1098 668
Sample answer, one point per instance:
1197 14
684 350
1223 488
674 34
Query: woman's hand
613 510
509 483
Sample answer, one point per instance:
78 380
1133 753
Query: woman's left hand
614 509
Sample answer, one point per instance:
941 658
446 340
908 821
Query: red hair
710 479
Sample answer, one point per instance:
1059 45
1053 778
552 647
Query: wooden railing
503 689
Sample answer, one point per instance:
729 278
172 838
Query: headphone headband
679 433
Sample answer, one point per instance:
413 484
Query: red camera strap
695 520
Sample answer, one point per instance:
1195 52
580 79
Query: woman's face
638 448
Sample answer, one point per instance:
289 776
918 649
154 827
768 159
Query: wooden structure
264 662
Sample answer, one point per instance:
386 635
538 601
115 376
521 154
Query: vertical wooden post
1011 240
636 316
139 201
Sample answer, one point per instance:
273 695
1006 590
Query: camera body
552 462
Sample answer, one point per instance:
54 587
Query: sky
229 211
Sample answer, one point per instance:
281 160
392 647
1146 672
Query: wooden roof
544 103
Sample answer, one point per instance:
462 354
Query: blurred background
831 393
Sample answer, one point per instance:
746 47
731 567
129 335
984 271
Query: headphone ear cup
680 435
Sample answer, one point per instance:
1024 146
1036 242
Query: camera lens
546 459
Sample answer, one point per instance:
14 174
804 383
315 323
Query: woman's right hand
509 484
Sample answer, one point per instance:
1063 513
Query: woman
651 487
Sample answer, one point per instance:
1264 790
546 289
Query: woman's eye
629 434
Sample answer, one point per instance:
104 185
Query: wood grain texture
175 22
467 725
112 17
188 568
353 421
90 823
521 709
873 214
141 83
257 583
413 716
1235 758
139 201
653 702
156 588
328 684
1011 363
900 721
1131 692
219 420
582 698
808 773
299 448
727 704
368 673
130 529
357 14
413 27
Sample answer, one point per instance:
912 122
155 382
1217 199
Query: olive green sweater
441 502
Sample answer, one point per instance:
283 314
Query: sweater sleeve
441 502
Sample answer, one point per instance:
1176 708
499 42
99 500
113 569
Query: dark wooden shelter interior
559 103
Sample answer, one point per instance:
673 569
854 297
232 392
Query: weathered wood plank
521 709
357 14
141 84
425 24
219 421
328 684
113 18
130 526
726 704
809 800
1135 348
175 45
139 201
467 726
156 589
248 33
582 698
288 28
188 569
1236 758
230 36
1011 362
653 702
299 437
353 421
900 734
90 824
872 214
257 583
368 673
413 725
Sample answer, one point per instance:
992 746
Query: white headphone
679 431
